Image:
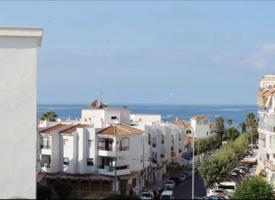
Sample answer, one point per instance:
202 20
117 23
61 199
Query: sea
168 112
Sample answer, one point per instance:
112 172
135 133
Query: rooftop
268 78
182 123
22 32
200 117
53 128
72 129
119 130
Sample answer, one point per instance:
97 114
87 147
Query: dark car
176 179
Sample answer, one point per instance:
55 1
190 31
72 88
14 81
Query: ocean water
168 112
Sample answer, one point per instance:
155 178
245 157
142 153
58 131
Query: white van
229 187
167 195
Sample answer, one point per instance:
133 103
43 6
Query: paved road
184 190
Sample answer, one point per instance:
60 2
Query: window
114 118
162 155
154 142
65 142
90 161
180 150
66 161
45 161
149 139
179 138
207 133
46 143
162 139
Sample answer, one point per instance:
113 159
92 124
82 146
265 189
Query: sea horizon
168 112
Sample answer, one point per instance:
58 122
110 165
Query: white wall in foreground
18 91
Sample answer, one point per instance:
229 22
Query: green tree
219 127
243 127
251 123
49 116
216 168
254 187
231 133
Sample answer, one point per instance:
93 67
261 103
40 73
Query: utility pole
193 165
116 189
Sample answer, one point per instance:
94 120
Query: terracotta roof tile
182 123
119 130
72 129
52 128
200 117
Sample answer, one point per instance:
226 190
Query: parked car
176 180
183 177
167 195
217 192
245 168
213 197
170 184
229 187
146 195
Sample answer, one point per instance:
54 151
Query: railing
112 168
123 148
105 149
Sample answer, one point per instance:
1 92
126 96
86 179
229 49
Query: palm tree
251 124
219 127
243 127
49 116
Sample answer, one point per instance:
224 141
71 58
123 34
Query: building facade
18 102
266 127
129 151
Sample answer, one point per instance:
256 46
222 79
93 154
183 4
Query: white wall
201 128
18 89
145 118
100 118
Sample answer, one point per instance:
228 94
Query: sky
156 52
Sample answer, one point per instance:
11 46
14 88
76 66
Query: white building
145 118
102 117
120 153
266 126
130 156
18 88
201 126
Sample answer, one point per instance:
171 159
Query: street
184 190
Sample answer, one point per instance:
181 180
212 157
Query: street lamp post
193 166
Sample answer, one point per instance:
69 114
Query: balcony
270 165
110 171
110 152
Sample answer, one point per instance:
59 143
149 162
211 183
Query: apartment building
126 151
18 102
266 126
201 126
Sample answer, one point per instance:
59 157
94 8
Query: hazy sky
150 52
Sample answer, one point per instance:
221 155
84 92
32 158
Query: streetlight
193 165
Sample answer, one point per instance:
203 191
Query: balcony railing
270 165
121 148
112 171
105 149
